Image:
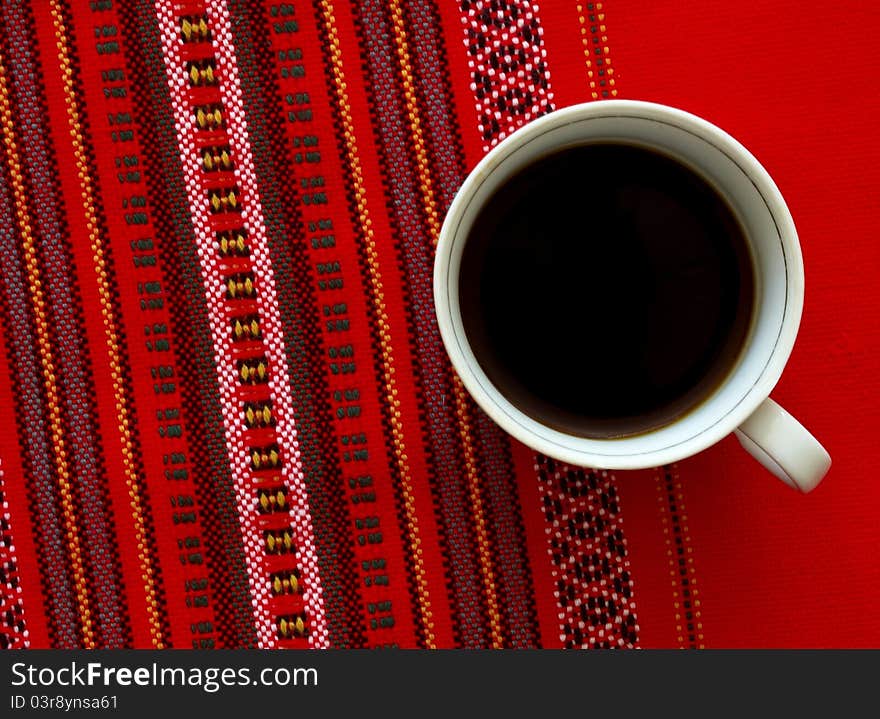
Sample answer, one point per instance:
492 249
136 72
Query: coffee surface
606 289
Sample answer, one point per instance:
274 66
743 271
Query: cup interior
772 241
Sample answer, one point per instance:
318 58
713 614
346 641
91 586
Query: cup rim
583 451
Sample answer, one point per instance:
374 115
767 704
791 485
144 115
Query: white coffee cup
741 403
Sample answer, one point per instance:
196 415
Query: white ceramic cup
741 404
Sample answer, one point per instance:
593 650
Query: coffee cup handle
784 446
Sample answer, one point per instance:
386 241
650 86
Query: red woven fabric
231 422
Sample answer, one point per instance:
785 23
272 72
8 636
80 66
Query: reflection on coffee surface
606 289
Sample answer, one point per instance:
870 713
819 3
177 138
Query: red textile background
156 494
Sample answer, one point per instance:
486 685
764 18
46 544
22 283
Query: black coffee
606 290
